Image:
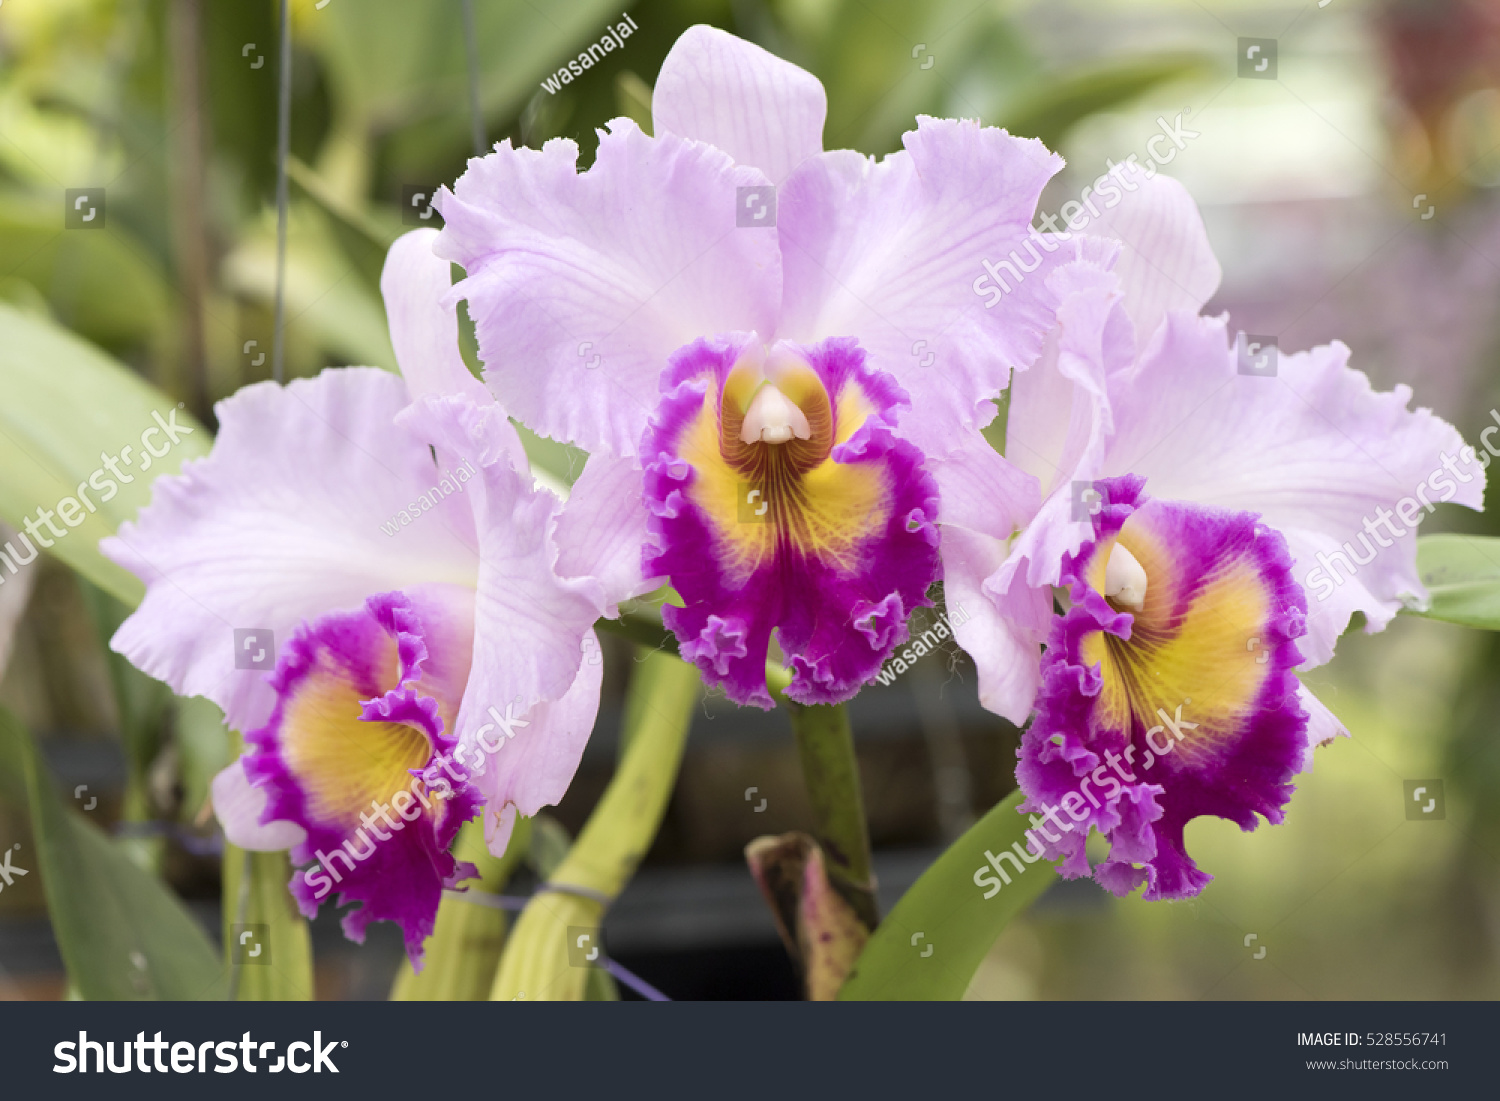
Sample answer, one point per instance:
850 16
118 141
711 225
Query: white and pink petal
985 502
581 284
763 111
1313 449
890 253
536 758
1166 262
296 512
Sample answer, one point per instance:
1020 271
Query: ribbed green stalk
263 908
535 965
282 971
464 949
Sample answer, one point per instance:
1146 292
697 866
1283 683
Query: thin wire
494 902
634 981
471 48
574 889
283 144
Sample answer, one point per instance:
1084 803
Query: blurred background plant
1315 188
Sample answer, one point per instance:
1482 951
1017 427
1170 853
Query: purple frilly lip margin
400 877
835 627
1065 747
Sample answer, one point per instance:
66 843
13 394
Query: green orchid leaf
141 704
101 283
1462 575
141 701
124 936
932 942
81 465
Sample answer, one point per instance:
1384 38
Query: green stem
828 765
255 895
464 950
831 771
536 964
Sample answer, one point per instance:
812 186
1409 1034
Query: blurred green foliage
380 102
123 934
70 410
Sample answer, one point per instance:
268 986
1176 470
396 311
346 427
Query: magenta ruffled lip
393 857
835 624
1113 780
